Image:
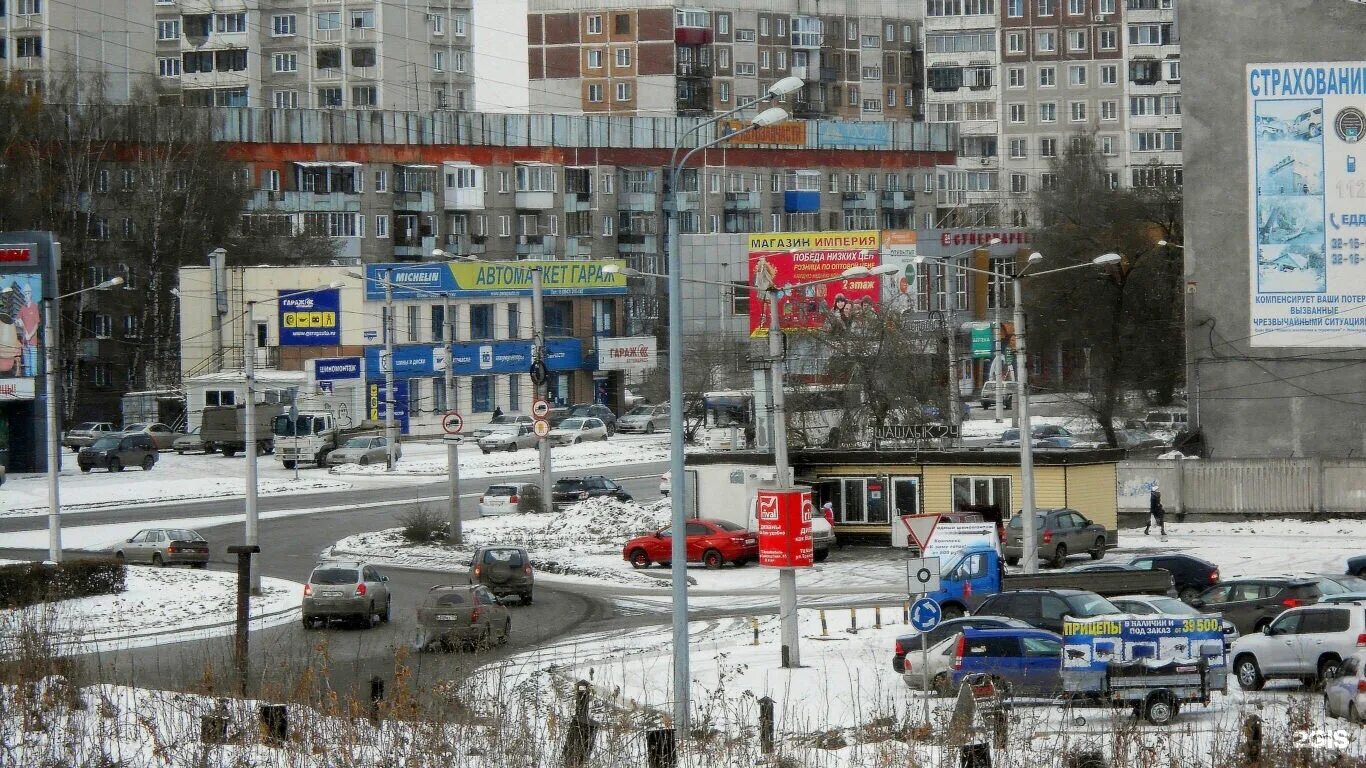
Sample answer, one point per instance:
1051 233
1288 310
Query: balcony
465 245
693 69
575 202
417 202
327 73
692 36
829 75
362 34
808 110
636 201
578 247
533 200
742 201
414 247
291 201
635 242
697 102
535 246
802 201
898 199
859 200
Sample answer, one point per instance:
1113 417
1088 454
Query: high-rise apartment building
46 44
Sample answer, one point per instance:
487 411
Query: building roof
865 457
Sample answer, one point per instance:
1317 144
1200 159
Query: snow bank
614 451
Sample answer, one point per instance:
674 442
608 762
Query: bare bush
423 524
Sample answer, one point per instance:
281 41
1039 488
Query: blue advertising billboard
473 358
336 368
310 318
1092 644
486 279
377 404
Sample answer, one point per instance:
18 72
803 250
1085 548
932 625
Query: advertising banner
801 257
473 358
1307 191
377 404
20 318
899 248
1090 645
853 135
785 528
491 279
629 353
310 319
336 368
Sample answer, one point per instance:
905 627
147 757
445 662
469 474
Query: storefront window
906 495
987 496
868 500
481 388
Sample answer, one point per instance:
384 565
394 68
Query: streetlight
1192 376
51 340
249 436
1030 556
678 515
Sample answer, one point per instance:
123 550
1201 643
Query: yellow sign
309 319
814 241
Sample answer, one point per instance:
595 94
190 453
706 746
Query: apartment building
861 59
1153 90
46 44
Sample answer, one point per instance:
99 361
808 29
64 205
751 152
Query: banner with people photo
791 261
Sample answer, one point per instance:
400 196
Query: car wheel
650 428
115 465
1328 669
941 685
1059 555
1012 561
1099 551
180 451
486 451
1248 673
157 561
84 468
364 461
820 555
952 611
1159 708
712 559
576 441
1188 594
148 463
639 559
200 566
119 556
288 464
666 564
388 611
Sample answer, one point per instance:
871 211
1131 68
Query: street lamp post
389 404
51 339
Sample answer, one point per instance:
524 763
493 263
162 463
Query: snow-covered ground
158 606
424 461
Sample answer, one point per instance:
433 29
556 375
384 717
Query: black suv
1190 575
1253 603
568 490
597 411
114 452
1045 608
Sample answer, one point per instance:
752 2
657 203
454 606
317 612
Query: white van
994 389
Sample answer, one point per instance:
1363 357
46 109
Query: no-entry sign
784 518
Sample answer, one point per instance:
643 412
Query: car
1021 661
509 498
116 451
1345 695
1190 574
1133 439
1059 442
162 436
466 615
822 538
164 546
1061 533
85 433
364 450
1045 608
1011 437
568 490
933 669
597 411
502 420
508 437
910 644
556 415
346 589
504 570
1252 603
1094 567
1165 419
994 390
191 443
1146 605
712 543
578 429
1307 643
665 483
1331 584
1356 566
645 419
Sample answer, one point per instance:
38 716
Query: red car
710 542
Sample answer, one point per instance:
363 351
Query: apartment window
329 97
608 226
284 25
30 7
168 67
286 62
1150 34
1017 113
1107 146
1015 77
745 35
714 222
1047 7
1109 74
363 57
1112 179
329 58
763 60
1107 40
1105 6
382 225
1048 77
1076 40
270 180
1048 182
1048 112
364 95
363 19
1015 42
481 393
459 22
1018 148
621 24
329 20
594 58
1015 8
595 92
1171 105
438 24
870 41
230 22
891 97
1144 105
872 105
168 29
623 56
285 99
723 23
1019 183
1077 111
29 47
723 92
872 73
1155 141
1076 7
623 91
1047 42
1048 147
438 61
505 226
514 318
1109 110
593 25
1172 69
381 181
745 69
103 326
1076 74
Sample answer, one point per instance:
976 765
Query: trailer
1152 664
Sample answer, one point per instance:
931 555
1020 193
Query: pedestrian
1156 512
497 411
828 512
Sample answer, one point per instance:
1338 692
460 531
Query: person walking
1156 513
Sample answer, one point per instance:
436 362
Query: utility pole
251 544
543 387
998 344
787 577
54 502
1030 560
389 404
457 534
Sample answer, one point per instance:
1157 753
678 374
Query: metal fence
1246 486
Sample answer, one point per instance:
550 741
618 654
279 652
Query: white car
940 657
510 498
578 429
1345 695
364 450
1307 643
645 419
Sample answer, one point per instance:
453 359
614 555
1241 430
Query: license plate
446 617
330 593
750 541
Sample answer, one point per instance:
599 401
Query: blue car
1025 662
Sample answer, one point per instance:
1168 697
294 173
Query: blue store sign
379 407
336 368
475 358
312 318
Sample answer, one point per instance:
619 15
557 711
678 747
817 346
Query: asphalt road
289 656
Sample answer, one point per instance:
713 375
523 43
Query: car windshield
183 534
88 426
727 525
1172 606
1350 583
1018 521
512 557
643 410
106 444
571 424
501 490
135 428
1090 605
334 576
503 429
580 410
358 442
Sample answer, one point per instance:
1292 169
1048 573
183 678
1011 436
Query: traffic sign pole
925 616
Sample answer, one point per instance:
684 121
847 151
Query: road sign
451 439
922 575
452 423
540 409
538 373
541 427
921 528
925 614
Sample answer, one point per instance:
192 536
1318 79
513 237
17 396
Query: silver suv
346 590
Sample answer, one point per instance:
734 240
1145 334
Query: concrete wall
1255 402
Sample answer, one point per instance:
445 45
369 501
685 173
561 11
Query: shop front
28 277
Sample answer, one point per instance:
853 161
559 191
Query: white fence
1246 486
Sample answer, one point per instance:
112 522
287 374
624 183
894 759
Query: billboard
377 403
21 315
1307 172
336 368
899 248
788 259
311 318
1092 644
628 353
784 518
485 279
473 358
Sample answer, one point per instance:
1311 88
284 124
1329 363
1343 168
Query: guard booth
28 278
870 490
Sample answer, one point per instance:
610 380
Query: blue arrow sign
925 614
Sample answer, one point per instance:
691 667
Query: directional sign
541 427
922 575
925 614
452 423
540 409
920 528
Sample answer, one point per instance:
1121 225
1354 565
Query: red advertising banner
794 258
785 528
